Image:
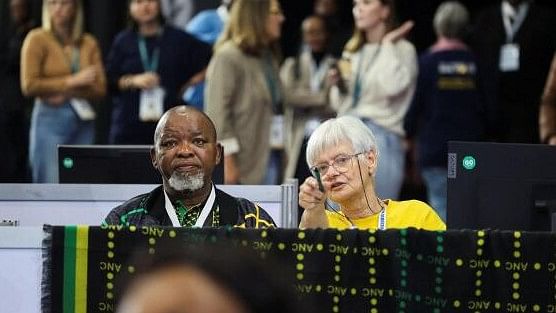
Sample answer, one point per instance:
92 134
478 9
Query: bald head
183 110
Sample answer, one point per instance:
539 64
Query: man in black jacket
185 153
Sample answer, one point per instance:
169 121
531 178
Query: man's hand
399 32
147 80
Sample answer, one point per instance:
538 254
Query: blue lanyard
358 80
271 81
152 65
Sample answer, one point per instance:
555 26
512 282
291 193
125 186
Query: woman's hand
312 200
85 77
310 197
399 32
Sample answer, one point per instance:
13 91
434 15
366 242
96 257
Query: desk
88 204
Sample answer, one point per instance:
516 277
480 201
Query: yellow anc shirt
399 214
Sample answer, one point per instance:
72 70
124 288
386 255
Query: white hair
337 130
451 19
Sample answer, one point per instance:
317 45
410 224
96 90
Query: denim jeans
52 126
391 162
274 168
436 182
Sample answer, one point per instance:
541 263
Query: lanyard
512 28
74 63
202 217
358 78
148 65
271 82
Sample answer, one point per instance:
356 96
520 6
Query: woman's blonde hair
77 27
246 26
358 38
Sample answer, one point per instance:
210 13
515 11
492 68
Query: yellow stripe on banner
81 254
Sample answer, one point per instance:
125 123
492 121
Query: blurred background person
61 67
448 101
305 87
338 29
547 119
207 278
177 12
148 66
206 26
14 107
514 41
344 157
243 94
380 80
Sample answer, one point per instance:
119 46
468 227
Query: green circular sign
469 162
68 163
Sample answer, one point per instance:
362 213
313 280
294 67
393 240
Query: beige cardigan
302 104
238 101
45 68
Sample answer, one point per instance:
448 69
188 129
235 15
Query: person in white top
375 82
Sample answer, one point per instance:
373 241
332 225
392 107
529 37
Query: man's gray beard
181 182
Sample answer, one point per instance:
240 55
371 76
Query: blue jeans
391 162
52 126
274 168
436 182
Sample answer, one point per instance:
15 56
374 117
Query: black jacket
149 210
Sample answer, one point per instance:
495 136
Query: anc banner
338 271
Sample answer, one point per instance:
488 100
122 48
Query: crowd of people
480 80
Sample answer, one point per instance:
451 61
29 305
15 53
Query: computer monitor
112 164
501 186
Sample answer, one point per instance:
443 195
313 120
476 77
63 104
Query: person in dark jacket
448 101
185 153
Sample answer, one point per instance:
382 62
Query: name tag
509 58
151 104
277 132
83 109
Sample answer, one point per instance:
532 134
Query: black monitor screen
501 186
112 164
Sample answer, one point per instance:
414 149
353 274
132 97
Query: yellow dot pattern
300 257
515 276
372 268
478 274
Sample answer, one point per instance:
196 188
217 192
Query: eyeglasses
341 164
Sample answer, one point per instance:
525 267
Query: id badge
277 132
151 104
83 109
509 58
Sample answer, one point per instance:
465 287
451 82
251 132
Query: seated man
185 153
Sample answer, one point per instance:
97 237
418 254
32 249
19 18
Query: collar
443 44
171 211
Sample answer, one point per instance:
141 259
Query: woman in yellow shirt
343 155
